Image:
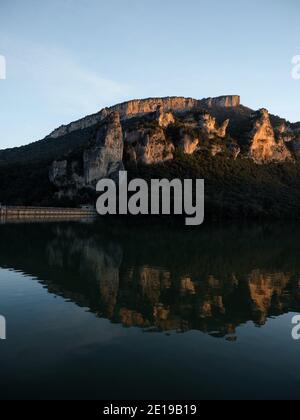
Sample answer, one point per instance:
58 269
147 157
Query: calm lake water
100 312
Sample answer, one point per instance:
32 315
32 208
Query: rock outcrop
164 118
290 135
230 101
188 143
263 145
149 131
145 106
209 125
58 172
104 155
102 158
148 146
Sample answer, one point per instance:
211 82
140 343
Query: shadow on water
212 280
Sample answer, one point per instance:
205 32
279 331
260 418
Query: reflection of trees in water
210 281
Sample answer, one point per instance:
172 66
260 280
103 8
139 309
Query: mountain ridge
250 160
147 105
76 133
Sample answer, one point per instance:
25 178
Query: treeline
234 189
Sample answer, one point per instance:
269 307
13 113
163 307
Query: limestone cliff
164 118
144 106
188 143
222 101
210 127
148 146
149 131
263 145
101 158
290 135
104 155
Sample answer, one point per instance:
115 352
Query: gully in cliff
123 198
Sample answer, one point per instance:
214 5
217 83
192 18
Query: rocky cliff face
101 158
264 147
222 102
188 143
290 135
164 118
148 146
149 132
145 106
104 155
210 127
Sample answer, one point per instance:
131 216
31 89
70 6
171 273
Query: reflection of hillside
161 299
98 262
152 282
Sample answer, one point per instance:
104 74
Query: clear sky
69 58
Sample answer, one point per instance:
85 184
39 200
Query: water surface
111 312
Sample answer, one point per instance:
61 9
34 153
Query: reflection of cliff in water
212 280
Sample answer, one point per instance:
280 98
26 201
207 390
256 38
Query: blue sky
69 58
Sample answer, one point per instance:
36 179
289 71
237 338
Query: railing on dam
24 211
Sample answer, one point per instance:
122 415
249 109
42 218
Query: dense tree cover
235 188
46 150
22 184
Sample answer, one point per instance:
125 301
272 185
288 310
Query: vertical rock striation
104 155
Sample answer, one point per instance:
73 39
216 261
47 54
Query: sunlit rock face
173 104
151 131
188 143
210 127
229 101
104 155
164 118
144 106
148 146
264 147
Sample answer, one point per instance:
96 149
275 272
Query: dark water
100 312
